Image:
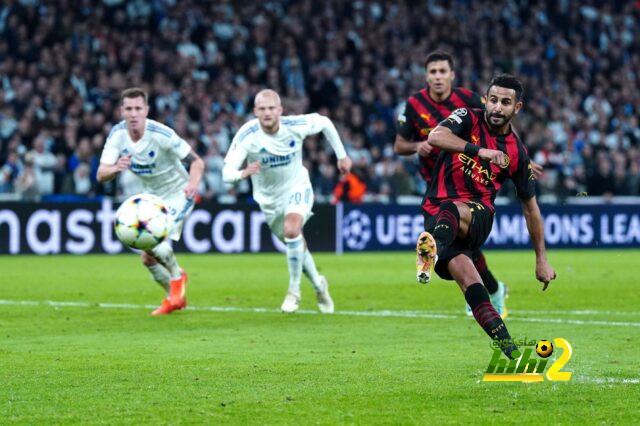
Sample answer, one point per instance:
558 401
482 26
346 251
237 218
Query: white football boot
498 300
291 303
325 302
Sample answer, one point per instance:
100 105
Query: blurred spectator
82 184
9 172
350 188
44 165
25 184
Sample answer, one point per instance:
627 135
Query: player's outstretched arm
535 225
344 165
106 172
196 170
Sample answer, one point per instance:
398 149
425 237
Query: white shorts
179 208
298 199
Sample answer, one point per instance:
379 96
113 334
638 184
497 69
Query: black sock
488 279
447 223
485 314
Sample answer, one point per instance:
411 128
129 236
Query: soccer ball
544 348
142 222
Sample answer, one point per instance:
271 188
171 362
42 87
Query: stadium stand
63 64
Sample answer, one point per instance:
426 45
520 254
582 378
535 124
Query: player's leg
497 290
451 221
462 270
176 297
179 209
319 282
159 273
295 248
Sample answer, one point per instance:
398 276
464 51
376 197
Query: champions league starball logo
356 230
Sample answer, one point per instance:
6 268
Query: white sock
160 274
295 255
310 270
164 253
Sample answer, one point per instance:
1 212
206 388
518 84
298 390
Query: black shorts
479 230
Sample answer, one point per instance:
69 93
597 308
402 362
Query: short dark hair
134 92
508 81
438 55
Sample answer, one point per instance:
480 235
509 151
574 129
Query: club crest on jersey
292 143
152 154
505 163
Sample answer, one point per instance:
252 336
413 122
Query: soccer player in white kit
155 153
272 147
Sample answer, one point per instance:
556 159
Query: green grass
89 364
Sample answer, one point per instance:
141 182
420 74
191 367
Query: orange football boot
178 291
167 307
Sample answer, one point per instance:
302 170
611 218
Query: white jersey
280 154
155 158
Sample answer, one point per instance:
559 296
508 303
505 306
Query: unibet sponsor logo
277 160
474 169
527 367
142 169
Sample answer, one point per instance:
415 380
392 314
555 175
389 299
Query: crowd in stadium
63 65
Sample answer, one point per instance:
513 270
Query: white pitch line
383 313
608 380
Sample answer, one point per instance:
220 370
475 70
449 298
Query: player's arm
195 165
406 142
106 172
446 137
111 163
325 125
535 225
232 172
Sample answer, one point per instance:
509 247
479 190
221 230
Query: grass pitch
77 343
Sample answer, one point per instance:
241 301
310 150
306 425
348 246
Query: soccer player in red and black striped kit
480 152
423 111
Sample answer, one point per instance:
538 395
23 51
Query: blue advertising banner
372 227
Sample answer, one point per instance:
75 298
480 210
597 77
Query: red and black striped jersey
459 177
422 114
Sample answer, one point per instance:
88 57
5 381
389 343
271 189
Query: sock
484 313
310 270
295 255
447 222
164 253
160 274
488 279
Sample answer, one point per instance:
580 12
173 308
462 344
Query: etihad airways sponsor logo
477 171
